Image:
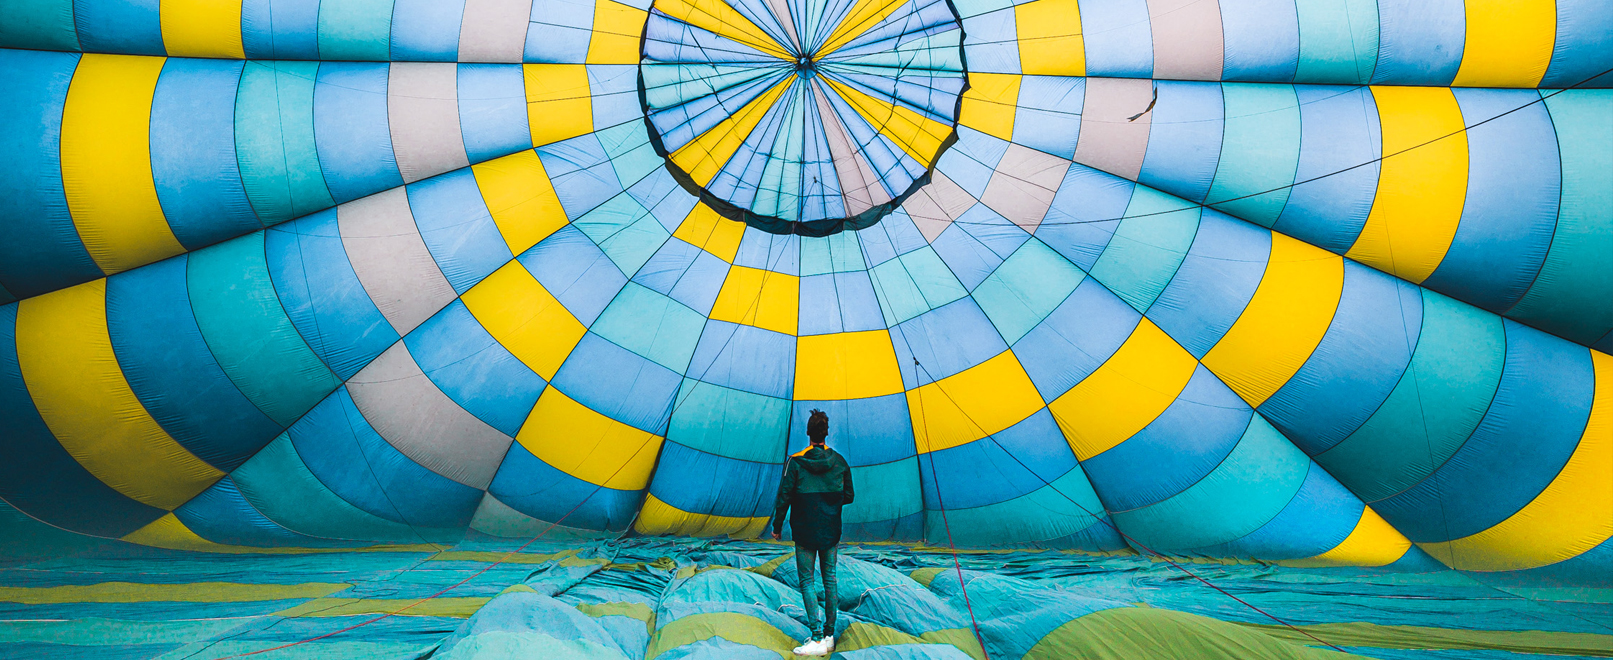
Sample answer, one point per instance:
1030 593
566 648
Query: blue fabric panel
1184 139
661 194
859 306
351 130
759 249
133 27
1584 30
345 453
983 472
820 306
1533 425
906 529
1118 40
170 368
575 272
581 171
619 384
989 44
1049 114
39 246
745 358
895 235
1085 212
559 31
698 482
323 296
1421 41
729 423
972 160
1321 515
700 285
426 30
1338 130
869 431
222 515
280 29
457 228
1514 181
473 369
492 110
38 476
1075 339
1261 40
992 230
1214 283
669 265
969 259
193 152
1175 450
946 340
1358 362
535 488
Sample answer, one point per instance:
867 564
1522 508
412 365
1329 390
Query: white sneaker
816 647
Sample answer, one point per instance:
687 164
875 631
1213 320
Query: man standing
817 483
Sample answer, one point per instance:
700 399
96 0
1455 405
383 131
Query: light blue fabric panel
759 249
1584 29
989 43
1215 283
1321 515
1118 40
618 384
699 482
274 140
426 30
1338 41
575 272
969 259
457 228
745 358
1330 201
350 127
193 161
473 369
280 29
581 172
1075 339
279 485
1148 247
1184 139
1421 42
492 110
559 31
872 431
1261 40
972 160
1049 115
651 325
945 341
527 484
1062 514
133 27
1019 462
993 231
222 515
323 296
1085 212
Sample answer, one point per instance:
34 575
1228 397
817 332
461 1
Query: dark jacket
817 482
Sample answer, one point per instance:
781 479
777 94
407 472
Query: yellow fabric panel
1373 542
585 444
106 162
458 607
521 198
1125 393
990 102
190 592
709 231
1509 43
1050 42
994 394
525 318
557 102
919 136
1283 323
846 365
657 518
862 17
67 362
704 156
761 298
617 28
717 16
1420 192
1572 515
202 28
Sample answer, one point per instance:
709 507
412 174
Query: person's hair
818 425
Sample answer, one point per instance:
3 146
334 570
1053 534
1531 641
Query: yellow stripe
716 16
761 298
711 232
202 28
1373 542
1420 192
67 361
522 315
994 394
862 18
617 28
990 103
578 441
459 607
1050 42
1572 515
846 365
106 162
521 198
1509 43
704 157
919 136
1125 393
1283 323
658 518
192 592
557 102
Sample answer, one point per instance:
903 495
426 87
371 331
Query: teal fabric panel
248 331
1321 504
1147 247
274 140
1026 288
887 491
38 25
1338 41
1569 297
1064 513
1436 405
1259 151
626 231
355 30
651 325
729 423
279 485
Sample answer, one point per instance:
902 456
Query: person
816 484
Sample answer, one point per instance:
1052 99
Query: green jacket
816 484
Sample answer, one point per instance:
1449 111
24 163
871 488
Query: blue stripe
1584 36
132 27
39 246
730 423
969 259
457 228
474 370
193 152
280 29
619 384
745 358
1338 130
1261 40
354 29
867 432
426 30
581 172
1048 118
1118 40
351 130
492 110
1421 41
1086 211
1075 339
1184 139
946 341
1016 461
527 484
698 482
1214 283
322 294
575 272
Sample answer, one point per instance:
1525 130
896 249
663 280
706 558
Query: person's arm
847 495
786 492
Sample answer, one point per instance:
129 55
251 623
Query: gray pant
804 564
